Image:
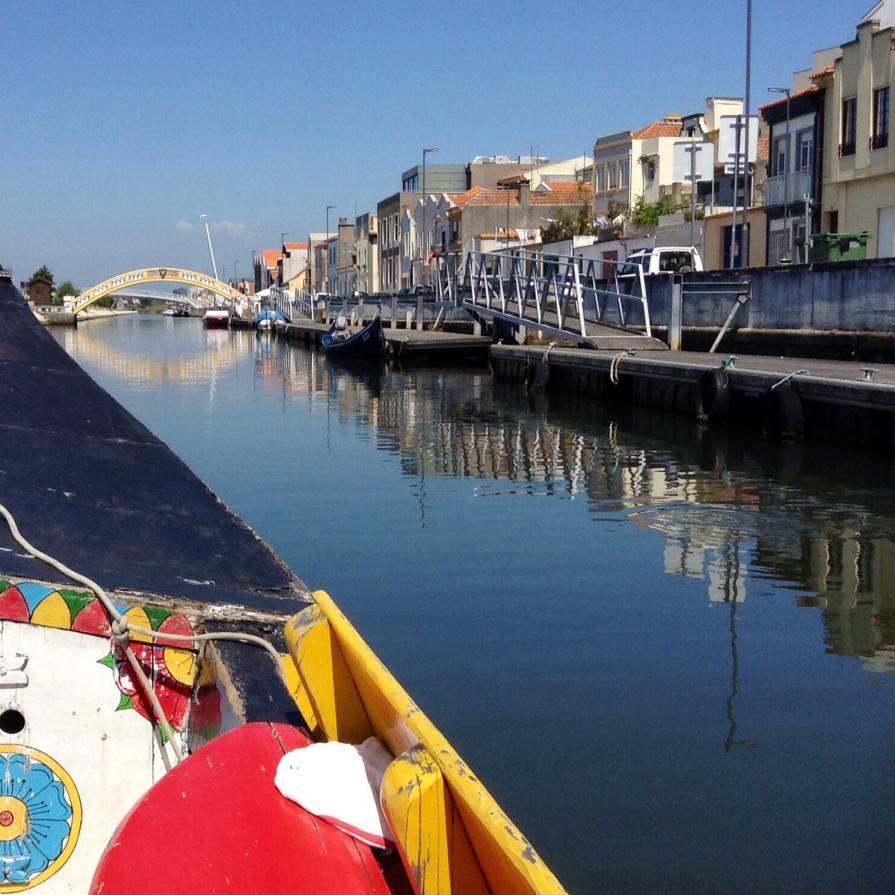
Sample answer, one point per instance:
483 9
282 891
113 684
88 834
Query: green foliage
647 214
43 271
566 225
64 290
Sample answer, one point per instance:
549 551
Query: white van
662 259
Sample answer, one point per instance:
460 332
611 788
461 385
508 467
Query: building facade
793 188
366 234
859 157
391 239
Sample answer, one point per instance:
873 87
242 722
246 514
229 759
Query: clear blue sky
126 120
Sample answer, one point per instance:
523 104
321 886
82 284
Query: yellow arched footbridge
153 275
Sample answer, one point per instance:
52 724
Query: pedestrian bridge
145 275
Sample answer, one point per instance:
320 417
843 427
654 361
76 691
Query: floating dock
406 345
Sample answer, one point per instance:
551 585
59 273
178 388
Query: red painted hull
217 824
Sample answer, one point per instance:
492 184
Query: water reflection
731 514
734 511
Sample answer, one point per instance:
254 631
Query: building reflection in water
732 514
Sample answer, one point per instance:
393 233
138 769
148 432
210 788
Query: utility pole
425 253
747 185
691 150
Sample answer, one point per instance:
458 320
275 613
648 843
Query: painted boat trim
452 834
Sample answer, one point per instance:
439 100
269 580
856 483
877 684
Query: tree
43 271
64 290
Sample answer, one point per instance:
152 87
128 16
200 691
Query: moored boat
216 318
341 342
268 317
139 743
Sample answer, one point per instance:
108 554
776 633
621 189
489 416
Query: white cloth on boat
340 784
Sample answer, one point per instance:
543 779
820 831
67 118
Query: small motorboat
267 317
216 318
340 341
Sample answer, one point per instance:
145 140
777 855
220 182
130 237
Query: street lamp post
425 253
328 209
747 182
235 274
788 93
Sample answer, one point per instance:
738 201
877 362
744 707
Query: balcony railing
879 141
846 149
798 185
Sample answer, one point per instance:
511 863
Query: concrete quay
840 401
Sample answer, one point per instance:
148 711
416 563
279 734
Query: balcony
798 185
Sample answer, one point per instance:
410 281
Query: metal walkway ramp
568 297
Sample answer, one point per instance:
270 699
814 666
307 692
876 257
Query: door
886 231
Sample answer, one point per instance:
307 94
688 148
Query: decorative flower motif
170 668
35 817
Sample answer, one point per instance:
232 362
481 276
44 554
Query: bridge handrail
518 281
153 275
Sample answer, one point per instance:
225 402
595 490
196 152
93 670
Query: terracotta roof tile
564 186
479 195
659 129
271 256
823 71
782 100
293 246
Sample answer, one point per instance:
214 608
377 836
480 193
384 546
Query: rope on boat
122 629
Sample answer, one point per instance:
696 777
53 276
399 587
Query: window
849 126
650 171
804 150
780 155
880 137
612 168
625 171
601 179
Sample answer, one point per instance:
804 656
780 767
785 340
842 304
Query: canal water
669 653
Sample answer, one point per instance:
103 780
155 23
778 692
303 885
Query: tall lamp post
747 183
328 209
425 253
788 93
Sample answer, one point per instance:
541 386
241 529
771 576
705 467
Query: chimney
524 192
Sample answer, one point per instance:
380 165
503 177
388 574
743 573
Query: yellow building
859 158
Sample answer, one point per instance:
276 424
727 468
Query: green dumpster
839 246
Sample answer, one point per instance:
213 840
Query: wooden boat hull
368 343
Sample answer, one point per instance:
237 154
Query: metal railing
559 294
790 189
290 302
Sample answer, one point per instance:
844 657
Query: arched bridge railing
154 275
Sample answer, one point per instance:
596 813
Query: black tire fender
714 394
782 412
